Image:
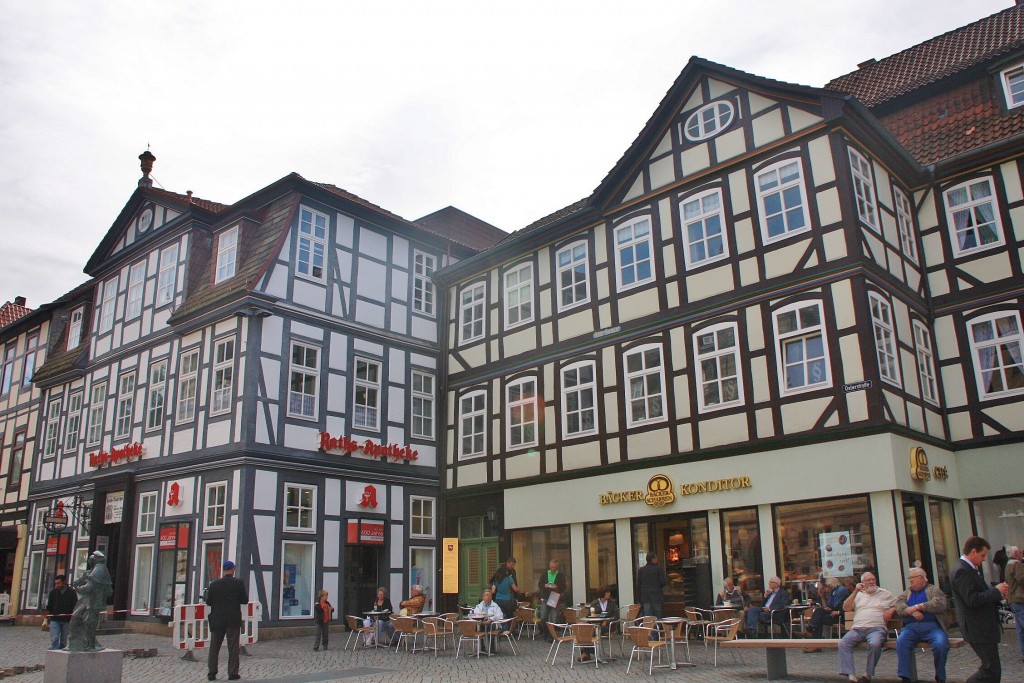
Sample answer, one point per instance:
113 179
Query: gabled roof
11 311
935 59
462 227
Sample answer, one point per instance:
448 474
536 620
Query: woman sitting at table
414 605
382 604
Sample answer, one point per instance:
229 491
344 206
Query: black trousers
216 636
991 671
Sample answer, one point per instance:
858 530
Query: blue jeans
1018 616
916 632
58 634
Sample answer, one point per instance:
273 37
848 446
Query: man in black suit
977 609
225 598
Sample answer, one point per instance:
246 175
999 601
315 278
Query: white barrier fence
191 628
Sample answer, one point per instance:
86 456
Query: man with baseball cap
225 598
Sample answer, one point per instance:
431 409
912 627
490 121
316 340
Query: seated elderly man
414 605
872 607
772 610
923 608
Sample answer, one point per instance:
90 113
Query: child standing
323 612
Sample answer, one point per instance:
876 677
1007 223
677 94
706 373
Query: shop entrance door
916 528
362 578
681 544
478 560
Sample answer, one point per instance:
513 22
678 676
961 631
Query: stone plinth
101 666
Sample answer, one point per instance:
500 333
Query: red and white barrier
191 630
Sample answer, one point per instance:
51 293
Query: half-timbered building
781 336
255 382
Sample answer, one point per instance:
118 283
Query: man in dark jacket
225 598
650 580
59 607
977 609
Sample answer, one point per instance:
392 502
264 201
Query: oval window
709 120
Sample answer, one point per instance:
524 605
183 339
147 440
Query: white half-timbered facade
776 322
255 382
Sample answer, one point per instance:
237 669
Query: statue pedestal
99 666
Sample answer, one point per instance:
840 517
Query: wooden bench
775 651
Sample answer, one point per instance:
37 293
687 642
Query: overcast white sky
507 110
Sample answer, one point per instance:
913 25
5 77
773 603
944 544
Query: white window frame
369 405
573 265
140 579
75 327
643 376
521 413
52 427
701 218
1005 355
423 294
628 242
781 188
300 508
74 421
147 514
473 414
125 405
311 244
167 278
887 348
136 287
216 503
157 403
97 406
227 255
423 386
863 177
905 221
700 126
717 356
472 312
803 333
188 386
1013 85
108 304
518 295
305 373
222 386
574 386
972 206
422 514
926 363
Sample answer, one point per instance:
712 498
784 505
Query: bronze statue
94 587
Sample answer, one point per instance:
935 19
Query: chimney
19 301
147 160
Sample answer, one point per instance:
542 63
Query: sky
506 110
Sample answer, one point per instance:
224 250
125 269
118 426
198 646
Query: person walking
1015 583
651 581
977 609
323 612
59 606
225 597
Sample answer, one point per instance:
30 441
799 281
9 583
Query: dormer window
1013 86
227 254
708 121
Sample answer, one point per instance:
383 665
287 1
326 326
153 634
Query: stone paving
292 660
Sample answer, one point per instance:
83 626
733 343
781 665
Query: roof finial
147 160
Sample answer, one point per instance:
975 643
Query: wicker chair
642 644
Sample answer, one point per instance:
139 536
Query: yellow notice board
450 565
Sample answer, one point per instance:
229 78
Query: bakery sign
347 446
117 455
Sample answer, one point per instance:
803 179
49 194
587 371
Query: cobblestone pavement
292 660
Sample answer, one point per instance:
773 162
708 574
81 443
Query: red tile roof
935 59
10 312
463 228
